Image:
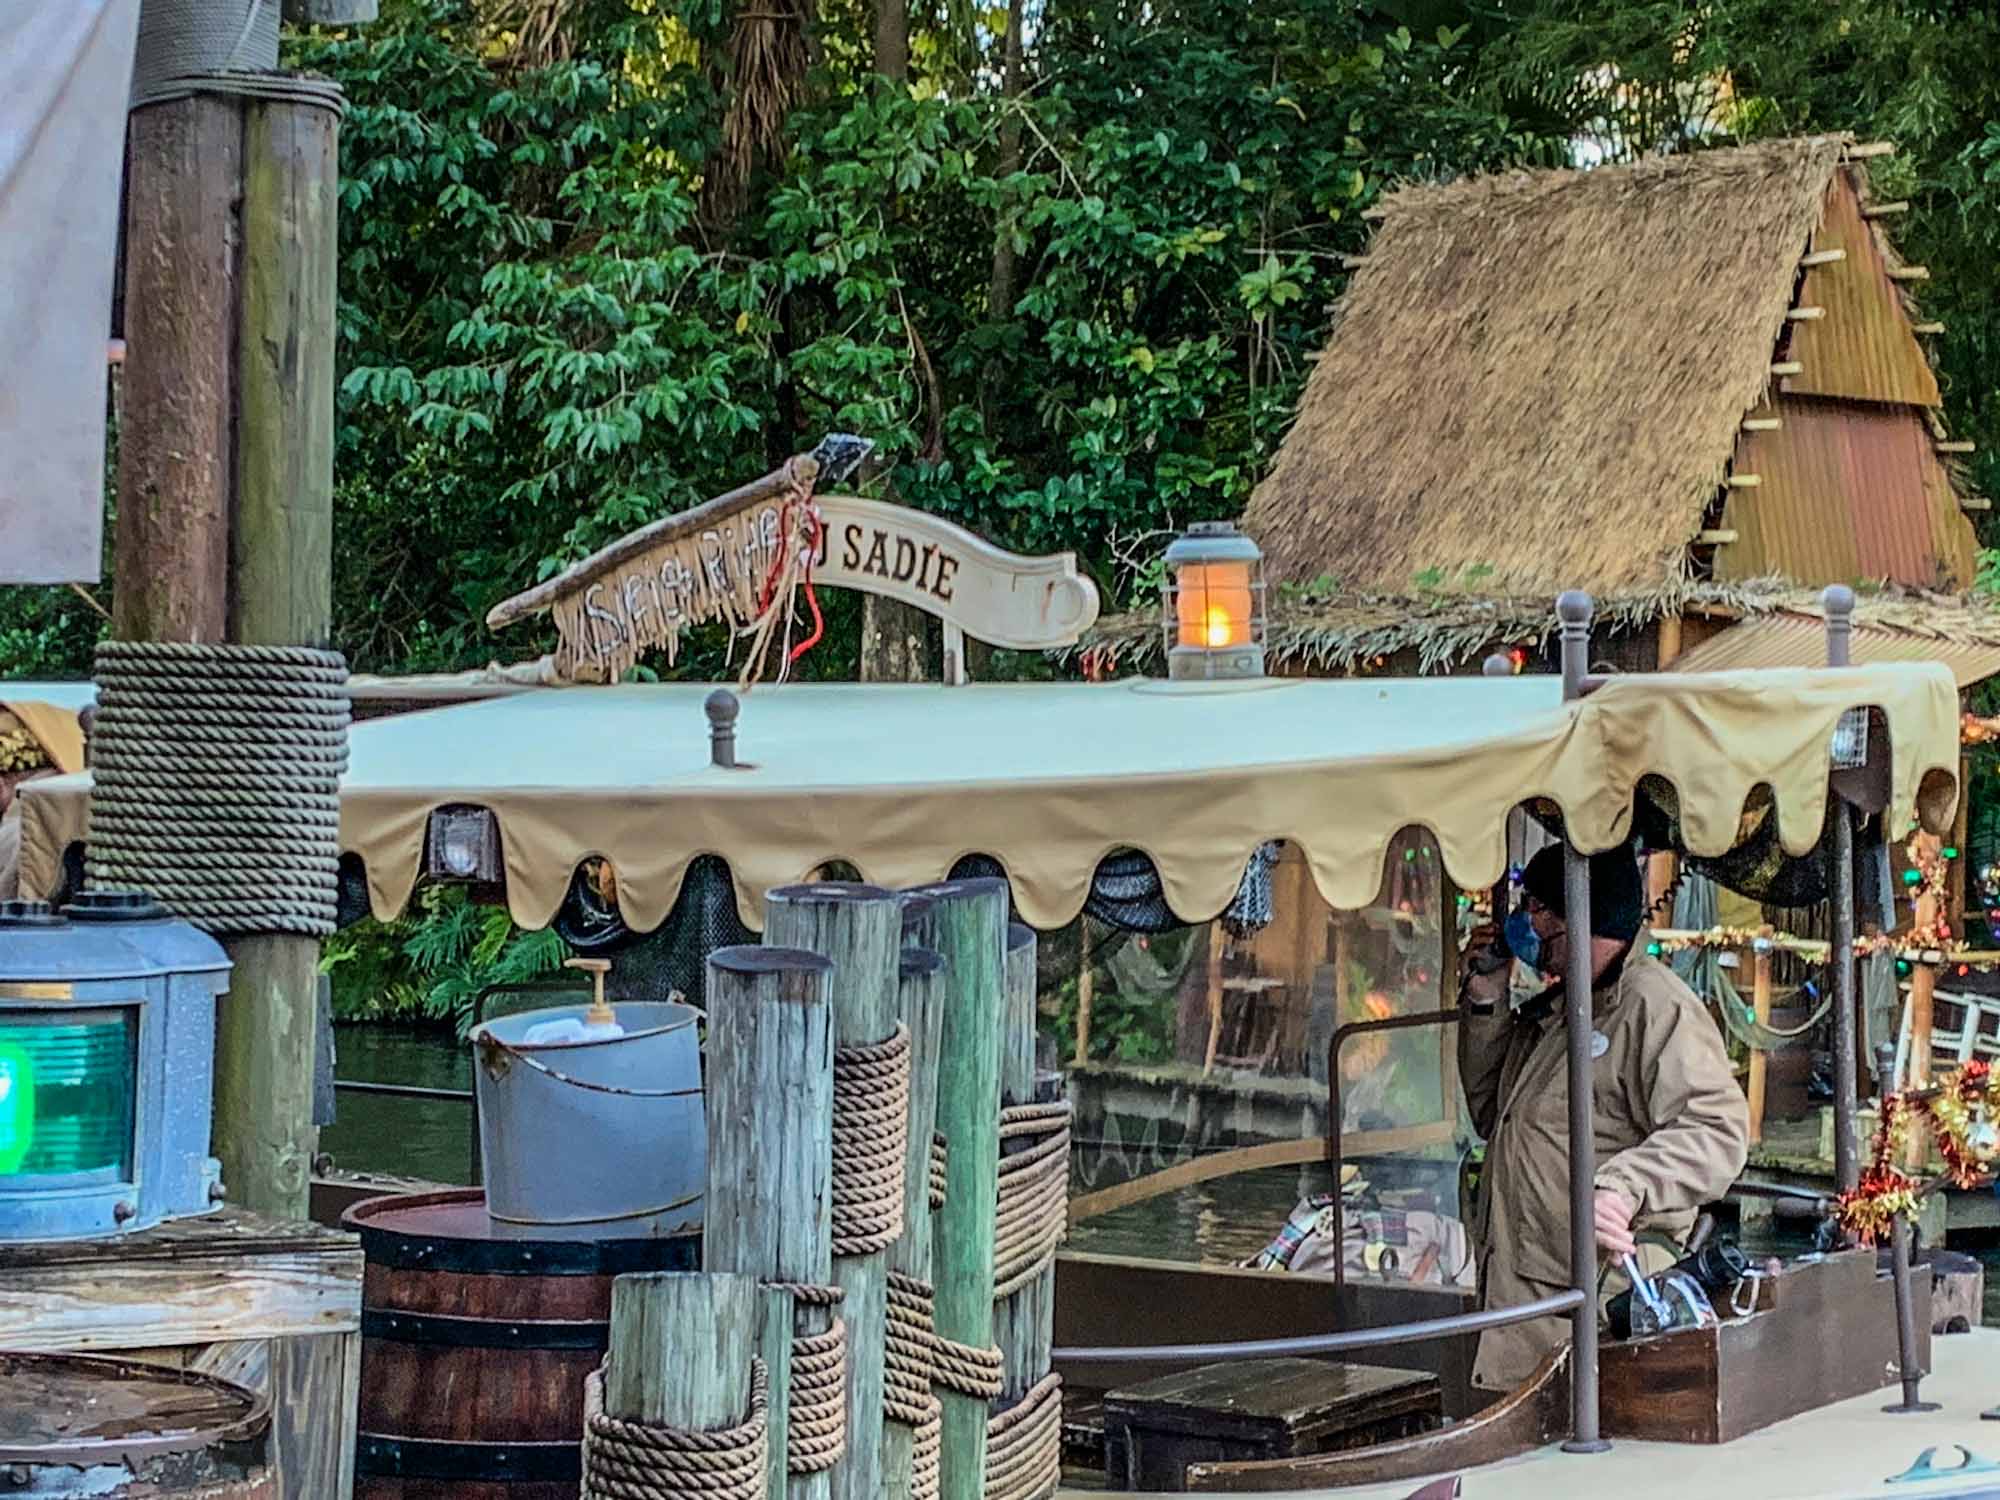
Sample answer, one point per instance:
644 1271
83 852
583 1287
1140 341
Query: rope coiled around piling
816 1409
927 1453
966 1369
636 1461
1024 1445
940 1169
871 1133
1033 1213
909 1360
216 782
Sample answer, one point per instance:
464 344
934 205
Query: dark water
1213 1223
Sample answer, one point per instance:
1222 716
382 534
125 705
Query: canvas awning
903 781
1795 640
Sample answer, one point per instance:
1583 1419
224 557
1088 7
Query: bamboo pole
966 923
859 929
921 991
1023 1322
680 1349
1760 1003
1086 991
770 1120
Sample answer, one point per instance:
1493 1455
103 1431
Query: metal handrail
1416 1332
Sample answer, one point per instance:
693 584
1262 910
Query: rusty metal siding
1849 492
1786 640
1864 348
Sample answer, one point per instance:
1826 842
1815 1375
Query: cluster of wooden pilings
879 1146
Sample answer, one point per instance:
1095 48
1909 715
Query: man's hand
1484 989
1613 1213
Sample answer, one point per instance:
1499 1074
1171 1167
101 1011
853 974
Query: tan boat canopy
903 781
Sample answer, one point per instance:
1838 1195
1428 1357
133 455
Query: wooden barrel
72 1425
476 1337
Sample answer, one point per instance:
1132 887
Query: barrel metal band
625 1460
871 1133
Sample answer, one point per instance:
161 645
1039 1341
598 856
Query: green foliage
433 965
542 345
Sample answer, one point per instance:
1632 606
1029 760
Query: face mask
1522 940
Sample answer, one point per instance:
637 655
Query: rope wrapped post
859 929
680 1410
1024 1436
966 923
910 1406
770 1167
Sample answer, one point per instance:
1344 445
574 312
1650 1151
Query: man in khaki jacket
1672 1126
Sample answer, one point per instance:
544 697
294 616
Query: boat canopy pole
1574 610
1838 603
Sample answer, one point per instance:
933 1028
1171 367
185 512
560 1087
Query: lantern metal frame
1205 543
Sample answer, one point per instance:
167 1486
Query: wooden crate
275 1306
1824 1332
1260 1409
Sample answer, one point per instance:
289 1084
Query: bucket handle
489 1040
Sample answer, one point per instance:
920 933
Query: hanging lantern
1214 604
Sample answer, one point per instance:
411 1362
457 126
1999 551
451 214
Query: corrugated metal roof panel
1864 348
1786 640
1848 491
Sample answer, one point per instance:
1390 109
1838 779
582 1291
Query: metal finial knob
1499 664
722 707
1574 607
1837 599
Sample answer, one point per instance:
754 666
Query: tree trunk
892 39
895 641
1000 288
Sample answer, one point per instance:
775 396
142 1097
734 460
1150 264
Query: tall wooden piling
680 1349
1024 1322
921 998
859 929
770 1117
966 923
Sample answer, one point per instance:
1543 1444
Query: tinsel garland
1958 1114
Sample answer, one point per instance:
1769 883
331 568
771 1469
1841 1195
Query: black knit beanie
1617 895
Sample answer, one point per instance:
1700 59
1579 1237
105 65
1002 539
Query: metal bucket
605 1135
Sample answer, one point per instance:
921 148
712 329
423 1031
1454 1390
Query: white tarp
65 74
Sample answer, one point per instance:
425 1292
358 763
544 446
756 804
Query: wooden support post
1216 939
859 929
770 1153
1086 990
966 922
1023 1322
281 594
1923 987
1668 647
921 1002
1760 1003
680 1349
183 174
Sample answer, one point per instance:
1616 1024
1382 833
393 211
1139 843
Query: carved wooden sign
716 562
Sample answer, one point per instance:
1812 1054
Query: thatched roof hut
1694 386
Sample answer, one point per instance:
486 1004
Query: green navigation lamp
107 1046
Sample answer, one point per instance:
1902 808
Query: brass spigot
600 1012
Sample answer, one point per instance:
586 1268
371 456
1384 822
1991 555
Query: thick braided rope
633 1461
216 782
927 1453
1024 1445
871 1133
816 1410
908 1359
940 1165
965 1369
1033 1213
